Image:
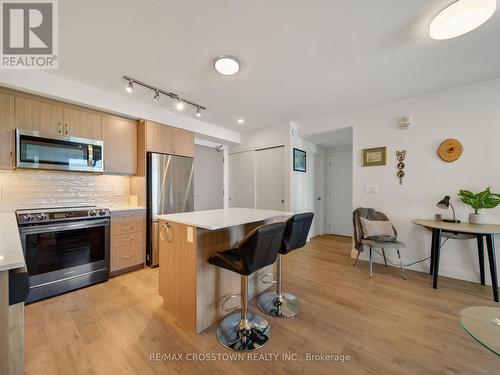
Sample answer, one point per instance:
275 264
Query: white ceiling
300 59
338 139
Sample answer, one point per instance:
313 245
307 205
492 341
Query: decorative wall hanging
299 160
374 156
450 150
400 156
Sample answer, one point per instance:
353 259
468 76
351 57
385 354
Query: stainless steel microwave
35 150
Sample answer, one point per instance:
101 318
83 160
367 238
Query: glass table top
483 323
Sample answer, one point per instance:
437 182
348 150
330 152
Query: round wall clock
450 150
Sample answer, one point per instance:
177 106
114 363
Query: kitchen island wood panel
192 289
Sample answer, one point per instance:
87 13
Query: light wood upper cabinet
80 123
52 118
120 145
169 140
183 142
7 131
44 117
157 137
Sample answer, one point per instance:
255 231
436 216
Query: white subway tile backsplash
27 189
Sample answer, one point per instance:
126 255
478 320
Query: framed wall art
374 156
299 160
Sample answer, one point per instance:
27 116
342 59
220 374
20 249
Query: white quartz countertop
126 208
11 251
223 218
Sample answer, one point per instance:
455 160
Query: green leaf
465 194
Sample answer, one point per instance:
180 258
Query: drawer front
128 240
128 224
132 255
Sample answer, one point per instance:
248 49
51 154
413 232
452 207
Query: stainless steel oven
41 151
64 249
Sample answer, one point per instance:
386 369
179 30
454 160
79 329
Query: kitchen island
192 289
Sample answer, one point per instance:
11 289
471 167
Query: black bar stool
279 304
243 330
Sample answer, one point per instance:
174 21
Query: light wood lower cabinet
128 240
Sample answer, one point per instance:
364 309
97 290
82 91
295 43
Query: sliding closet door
241 180
270 178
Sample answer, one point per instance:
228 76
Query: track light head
130 86
156 97
198 112
179 105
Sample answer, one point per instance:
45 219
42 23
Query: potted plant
479 201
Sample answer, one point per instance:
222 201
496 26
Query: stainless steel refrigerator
170 190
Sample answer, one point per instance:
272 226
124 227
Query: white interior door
208 178
242 180
270 178
340 194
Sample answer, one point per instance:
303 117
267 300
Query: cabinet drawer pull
66 131
129 227
128 256
10 157
128 239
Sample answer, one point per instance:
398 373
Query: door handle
168 237
319 198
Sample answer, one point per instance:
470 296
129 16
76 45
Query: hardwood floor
387 325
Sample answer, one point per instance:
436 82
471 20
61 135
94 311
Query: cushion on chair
378 230
383 244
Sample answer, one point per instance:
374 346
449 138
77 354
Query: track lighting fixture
180 103
130 86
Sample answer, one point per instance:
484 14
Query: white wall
60 88
300 187
469 113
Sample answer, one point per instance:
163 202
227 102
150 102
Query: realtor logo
29 34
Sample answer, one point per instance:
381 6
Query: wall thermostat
405 122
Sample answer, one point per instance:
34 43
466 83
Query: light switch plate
370 189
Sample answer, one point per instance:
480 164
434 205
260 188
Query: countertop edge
11 249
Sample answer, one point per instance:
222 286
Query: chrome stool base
240 335
269 303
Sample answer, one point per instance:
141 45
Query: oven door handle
64 226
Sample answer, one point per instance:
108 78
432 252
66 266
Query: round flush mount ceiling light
227 65
461 17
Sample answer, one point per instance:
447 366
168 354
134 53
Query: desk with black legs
481 232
